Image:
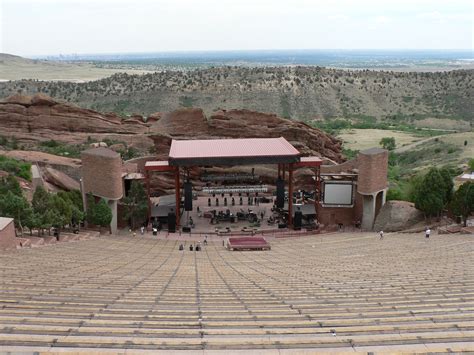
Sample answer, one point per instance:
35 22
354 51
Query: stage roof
232 152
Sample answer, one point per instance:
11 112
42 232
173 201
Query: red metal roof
232 148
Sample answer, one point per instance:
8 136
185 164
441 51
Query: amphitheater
338 292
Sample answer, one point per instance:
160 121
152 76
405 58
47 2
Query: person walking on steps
427 233
381 235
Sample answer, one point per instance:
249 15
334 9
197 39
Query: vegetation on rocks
15 167
46 210
293 92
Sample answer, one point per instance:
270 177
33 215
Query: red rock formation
193 124
39 118
41 115
60 179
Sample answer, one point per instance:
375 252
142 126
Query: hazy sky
46 27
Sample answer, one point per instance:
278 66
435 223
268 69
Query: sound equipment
186 229
188 196
171 222
280 193
297 220
281 225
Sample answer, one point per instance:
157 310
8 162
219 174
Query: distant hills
308 93
13 67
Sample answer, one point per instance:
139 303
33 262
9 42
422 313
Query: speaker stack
188 196
280 193
297 220
171 222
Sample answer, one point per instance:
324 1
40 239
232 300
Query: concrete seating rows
348 292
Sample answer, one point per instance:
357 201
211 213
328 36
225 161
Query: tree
462 203
471 164
433 192
388 143
102 214
136 204
15 207
90 218
10 183
74 200
40 204
63 209
40 201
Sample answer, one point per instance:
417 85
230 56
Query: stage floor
203 224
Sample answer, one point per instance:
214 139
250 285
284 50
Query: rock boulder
396 216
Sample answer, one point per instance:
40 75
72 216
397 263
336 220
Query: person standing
142 230
381 235
427 233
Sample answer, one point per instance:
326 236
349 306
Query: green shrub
16 167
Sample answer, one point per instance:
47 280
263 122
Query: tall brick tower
372 183
102 177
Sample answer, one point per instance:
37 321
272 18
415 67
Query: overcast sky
49 27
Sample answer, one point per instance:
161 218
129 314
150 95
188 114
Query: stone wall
102 173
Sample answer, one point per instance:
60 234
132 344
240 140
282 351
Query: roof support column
147 180
317 191
178 197
290 194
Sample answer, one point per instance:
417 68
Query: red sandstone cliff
38 118
193 124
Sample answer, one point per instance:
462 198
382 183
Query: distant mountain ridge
293 92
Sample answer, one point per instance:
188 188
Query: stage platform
247 243
202 222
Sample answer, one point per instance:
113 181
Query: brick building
369 171
7 233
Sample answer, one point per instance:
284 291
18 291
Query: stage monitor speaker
186 229
280 193
281 225
188 196
171 222
297 220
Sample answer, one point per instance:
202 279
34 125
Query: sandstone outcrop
193 124
37 118
397 216
60 179
32 119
